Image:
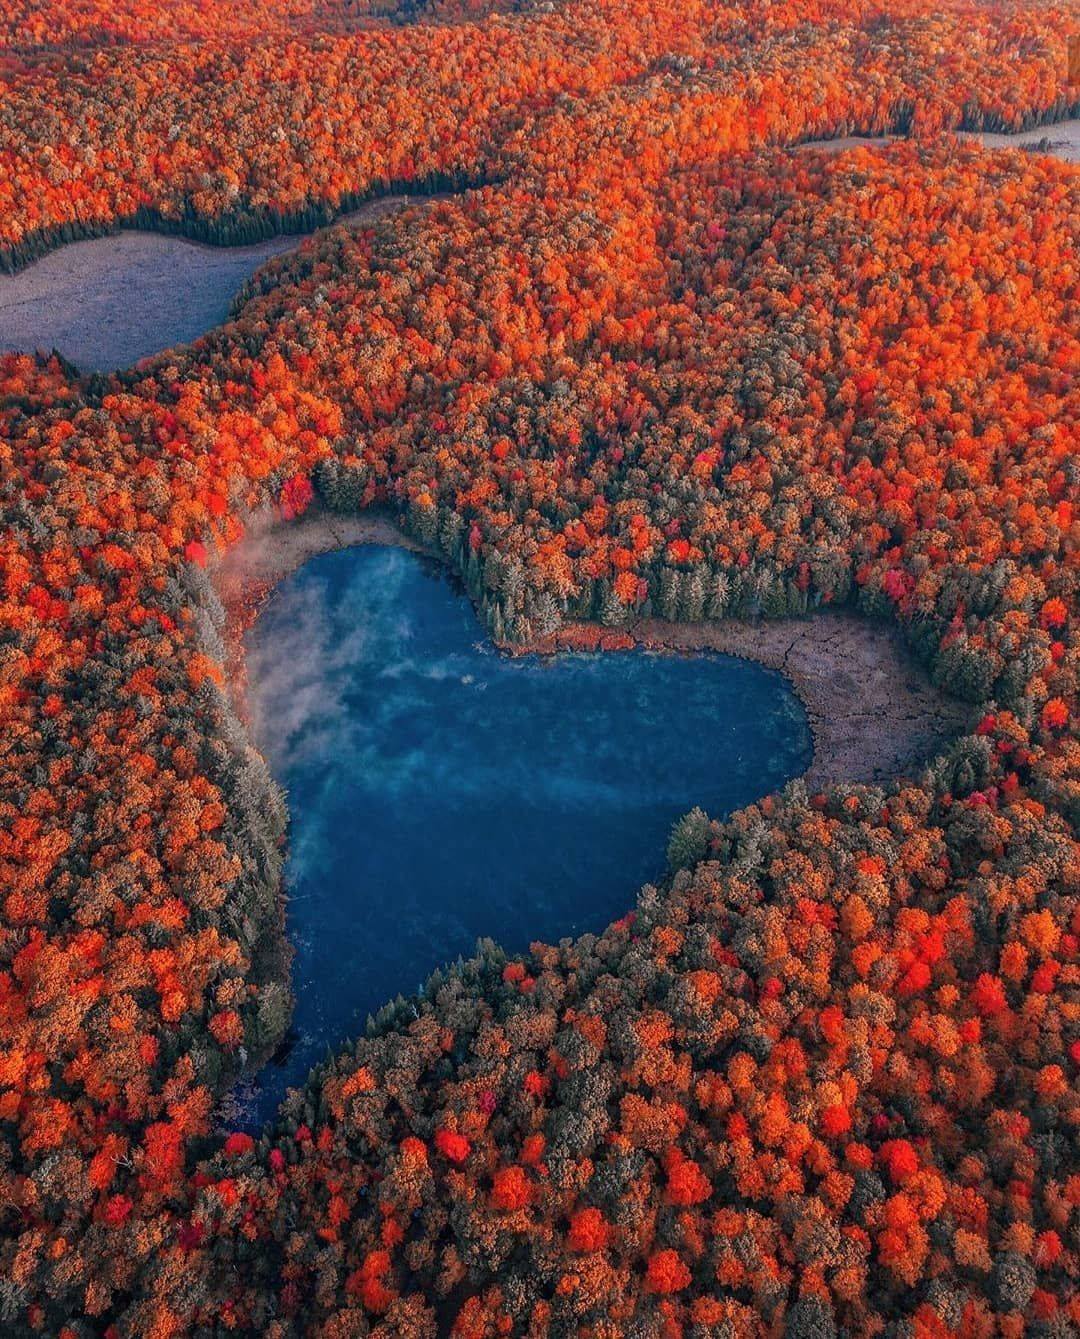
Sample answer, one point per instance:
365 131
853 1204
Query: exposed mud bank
873 712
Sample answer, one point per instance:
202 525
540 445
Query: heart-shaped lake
440 791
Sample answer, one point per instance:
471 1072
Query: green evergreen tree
689 840
694 596
670 594
719 595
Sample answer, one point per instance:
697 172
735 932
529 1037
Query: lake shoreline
873 712
239 230
383 712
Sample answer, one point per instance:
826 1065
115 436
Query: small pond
440 791
107 302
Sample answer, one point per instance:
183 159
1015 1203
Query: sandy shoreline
873 712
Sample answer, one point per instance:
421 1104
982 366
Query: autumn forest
640 355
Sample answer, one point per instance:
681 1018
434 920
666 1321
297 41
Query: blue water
439 791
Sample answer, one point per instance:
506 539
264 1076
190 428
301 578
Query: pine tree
719 597
424 522
689 841
694 596
670 594
612 610
451 527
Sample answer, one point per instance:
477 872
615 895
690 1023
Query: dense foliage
320 114
823 1081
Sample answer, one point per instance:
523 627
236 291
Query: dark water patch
440 791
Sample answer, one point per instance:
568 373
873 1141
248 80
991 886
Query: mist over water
439 791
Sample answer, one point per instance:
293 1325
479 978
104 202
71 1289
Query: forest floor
872 710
